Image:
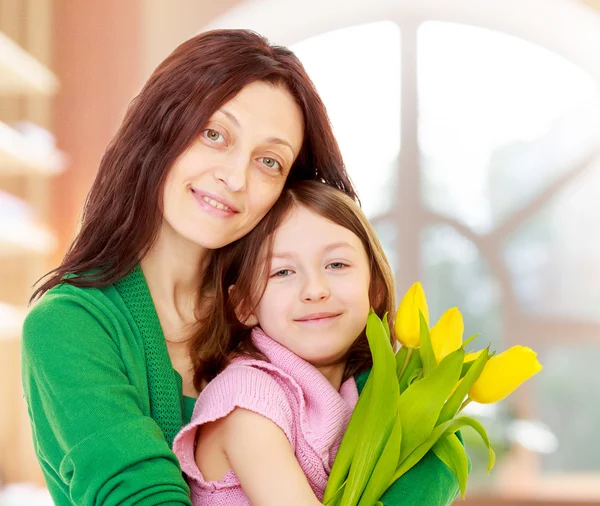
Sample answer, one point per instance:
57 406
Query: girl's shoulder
246 383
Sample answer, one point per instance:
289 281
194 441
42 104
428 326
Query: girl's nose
315 289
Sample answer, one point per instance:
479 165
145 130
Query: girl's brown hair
123 209
246 263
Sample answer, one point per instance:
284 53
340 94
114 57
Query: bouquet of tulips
412 401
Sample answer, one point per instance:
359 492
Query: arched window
473 136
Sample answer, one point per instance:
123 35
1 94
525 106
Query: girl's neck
334 373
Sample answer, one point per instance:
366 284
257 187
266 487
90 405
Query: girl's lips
318 318
209 208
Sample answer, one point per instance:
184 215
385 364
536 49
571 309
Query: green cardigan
105 403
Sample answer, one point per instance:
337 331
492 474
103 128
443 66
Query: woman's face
227 180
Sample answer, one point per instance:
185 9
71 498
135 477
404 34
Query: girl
286 337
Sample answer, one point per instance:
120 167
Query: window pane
554 258
357 72
500 118
456 274
567 395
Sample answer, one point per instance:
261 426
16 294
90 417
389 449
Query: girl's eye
270 163
213 135
282 273
337 265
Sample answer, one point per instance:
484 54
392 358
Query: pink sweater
287 390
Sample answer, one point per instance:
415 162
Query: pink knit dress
287 390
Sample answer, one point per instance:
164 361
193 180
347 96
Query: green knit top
105 403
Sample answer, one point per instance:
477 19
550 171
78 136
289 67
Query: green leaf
467 341
335 499
425 348
414 364
345 453
385 467
452 453
386 325
421 403
458 396
381 414
443 430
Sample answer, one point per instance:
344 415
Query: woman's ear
249 320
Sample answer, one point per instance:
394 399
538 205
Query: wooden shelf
11 321
19 156
25 239
21 73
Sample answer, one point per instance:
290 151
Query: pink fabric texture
287 390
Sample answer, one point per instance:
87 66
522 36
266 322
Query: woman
203 153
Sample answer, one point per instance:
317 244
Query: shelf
18 155
11 321
25 239
21 73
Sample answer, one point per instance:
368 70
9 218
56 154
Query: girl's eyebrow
329 247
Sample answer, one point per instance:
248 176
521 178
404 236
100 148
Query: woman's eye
282 273
270 163
337 265
213 135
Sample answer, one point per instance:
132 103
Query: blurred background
470 127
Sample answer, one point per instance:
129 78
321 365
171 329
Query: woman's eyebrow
277 140
270 140
233 119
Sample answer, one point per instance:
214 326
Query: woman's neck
174 268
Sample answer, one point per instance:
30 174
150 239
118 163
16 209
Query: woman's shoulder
70 299
66 310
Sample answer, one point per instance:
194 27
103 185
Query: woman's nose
233 172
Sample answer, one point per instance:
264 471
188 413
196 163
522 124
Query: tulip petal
447 333
407 324
504 373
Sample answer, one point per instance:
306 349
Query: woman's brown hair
123 210
246 263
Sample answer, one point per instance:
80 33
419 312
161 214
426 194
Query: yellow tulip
447 334
503 373
407 325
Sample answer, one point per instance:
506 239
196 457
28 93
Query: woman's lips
207 202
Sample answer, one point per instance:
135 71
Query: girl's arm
264 462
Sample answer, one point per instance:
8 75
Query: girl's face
316 300
227 180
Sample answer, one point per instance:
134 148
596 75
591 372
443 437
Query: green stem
464 405
409 352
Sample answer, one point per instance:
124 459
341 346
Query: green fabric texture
166 399
429 483
102 395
